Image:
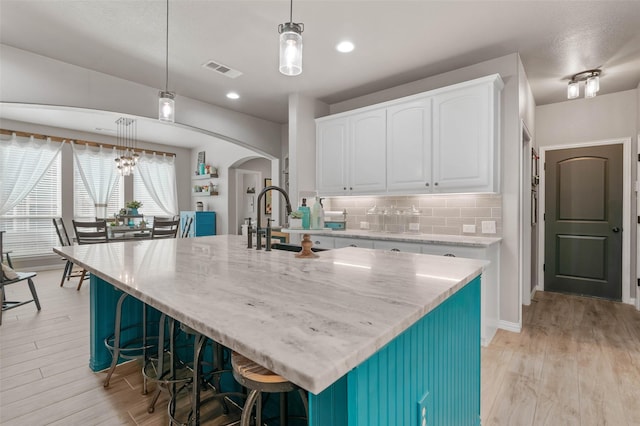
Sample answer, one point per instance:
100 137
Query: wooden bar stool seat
259 379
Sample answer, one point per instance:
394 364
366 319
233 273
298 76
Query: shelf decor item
133 207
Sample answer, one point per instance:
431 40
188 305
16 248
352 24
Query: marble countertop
309 320
454 240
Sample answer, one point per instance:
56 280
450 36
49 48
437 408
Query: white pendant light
166 103
290 46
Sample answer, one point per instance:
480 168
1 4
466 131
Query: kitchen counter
309 320
457 240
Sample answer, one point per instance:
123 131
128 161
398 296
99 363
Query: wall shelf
203 177
204 194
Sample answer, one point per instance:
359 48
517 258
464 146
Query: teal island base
429 372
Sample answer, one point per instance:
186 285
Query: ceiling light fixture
591 87
233 95
345 47
291 46
166 103
127 136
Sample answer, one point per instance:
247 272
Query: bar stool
259 379
201 381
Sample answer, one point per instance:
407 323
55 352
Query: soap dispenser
306 214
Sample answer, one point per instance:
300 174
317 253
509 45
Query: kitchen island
374 336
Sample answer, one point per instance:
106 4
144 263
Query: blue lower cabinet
431 368
203 223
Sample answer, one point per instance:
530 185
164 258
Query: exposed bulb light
591 87
573 90
345 47
290 46
233 95
166 103
166 107
127 138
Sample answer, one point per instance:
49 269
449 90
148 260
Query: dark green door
583 221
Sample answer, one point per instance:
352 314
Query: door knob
616 229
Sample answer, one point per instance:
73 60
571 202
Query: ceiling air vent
222 69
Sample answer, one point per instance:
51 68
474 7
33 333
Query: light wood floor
576 362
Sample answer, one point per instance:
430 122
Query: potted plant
295 220
133 207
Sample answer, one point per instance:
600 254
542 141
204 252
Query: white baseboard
509 326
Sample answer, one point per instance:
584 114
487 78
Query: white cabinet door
322 242
409 146
332 151
463 141
367 152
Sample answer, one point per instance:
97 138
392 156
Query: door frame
526 143
240 192
627 197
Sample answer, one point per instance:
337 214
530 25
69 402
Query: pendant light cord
166 81
291 12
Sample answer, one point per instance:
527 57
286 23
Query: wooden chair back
164 228
91 232
61 230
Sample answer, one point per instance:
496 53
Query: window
29 227
99 170
159 195
83 206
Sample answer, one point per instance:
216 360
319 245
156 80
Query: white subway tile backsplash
439 214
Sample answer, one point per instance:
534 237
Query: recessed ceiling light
233 95
345 46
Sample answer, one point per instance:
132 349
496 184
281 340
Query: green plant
134 204
296 214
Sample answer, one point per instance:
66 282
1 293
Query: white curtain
22 166
97 170
158 174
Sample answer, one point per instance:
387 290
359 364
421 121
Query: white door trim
524 261
627 196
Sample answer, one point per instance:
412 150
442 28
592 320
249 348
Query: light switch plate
488 226
470 229
364 225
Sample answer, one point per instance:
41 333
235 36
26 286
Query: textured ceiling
396 42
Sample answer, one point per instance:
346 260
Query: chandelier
127 135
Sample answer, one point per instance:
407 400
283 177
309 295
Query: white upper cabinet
367 152
442 141
332 151
351 154
409 146
463 135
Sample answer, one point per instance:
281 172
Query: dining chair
90 233
164 228
65 241
9 276
187 227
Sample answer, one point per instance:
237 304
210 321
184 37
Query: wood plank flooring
576 362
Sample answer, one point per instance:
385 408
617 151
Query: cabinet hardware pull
395 249
450 255
352 245
435 184
426 184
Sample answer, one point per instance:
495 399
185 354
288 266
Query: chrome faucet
268 229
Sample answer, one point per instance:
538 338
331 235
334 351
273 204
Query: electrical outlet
469 229
488 226
423 410
364 225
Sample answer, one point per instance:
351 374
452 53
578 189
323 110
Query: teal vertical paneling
439 355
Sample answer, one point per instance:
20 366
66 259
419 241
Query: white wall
507 67
224 156
582 120
29 78
302 145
